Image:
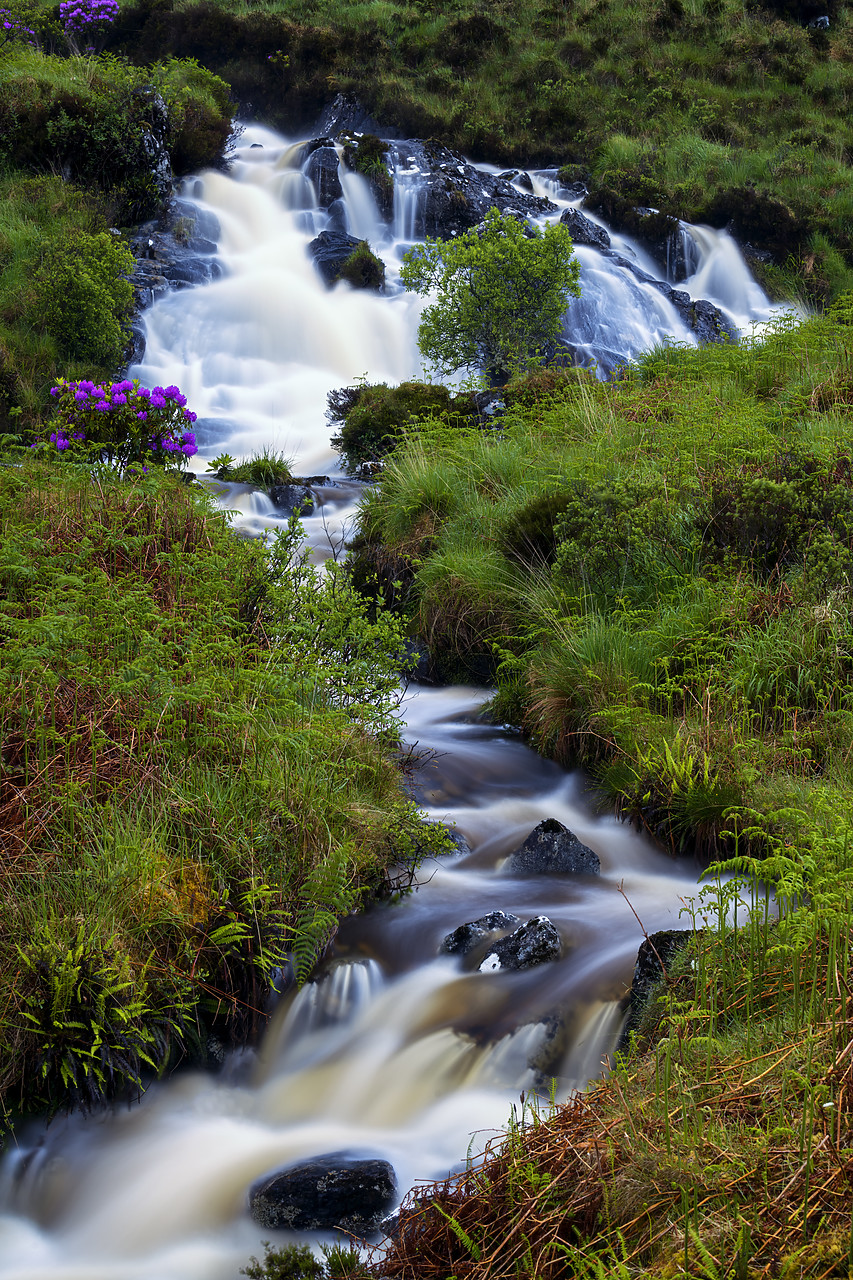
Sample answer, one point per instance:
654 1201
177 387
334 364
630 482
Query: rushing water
397 1051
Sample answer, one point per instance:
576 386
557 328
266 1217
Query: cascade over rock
457 196
321 166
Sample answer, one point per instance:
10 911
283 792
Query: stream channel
397 1051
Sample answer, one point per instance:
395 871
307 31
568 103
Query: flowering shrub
14 27
87 17
122 423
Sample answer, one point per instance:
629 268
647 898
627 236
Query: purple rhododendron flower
62 443
121 398
103 406
157 401
189 415
142 415
81 396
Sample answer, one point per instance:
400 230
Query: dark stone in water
468 936
536 942
584 231
292 497
333 1191
322 168
551 847
332 250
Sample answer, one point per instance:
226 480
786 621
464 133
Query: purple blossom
119 398
142 415
157 401
103 406
81 396
62 443
189 415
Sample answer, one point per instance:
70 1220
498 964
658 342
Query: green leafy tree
501 292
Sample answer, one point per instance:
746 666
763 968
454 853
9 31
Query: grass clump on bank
197 776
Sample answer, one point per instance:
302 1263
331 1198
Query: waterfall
397 1049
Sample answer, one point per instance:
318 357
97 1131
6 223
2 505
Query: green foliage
197 764
375 417
362 269
501 294
297 1262
84 297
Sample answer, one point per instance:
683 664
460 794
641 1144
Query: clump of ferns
93 1030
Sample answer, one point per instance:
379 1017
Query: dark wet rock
418 661
154 141
462 845
536 942
347 115
333 1191
292 497
172 252
321 167
490 404
551 847
333 252
455 195
584 231
657 952
470 935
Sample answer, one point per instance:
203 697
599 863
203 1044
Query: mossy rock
362 269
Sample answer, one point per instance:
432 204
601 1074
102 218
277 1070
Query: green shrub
83 296
362 269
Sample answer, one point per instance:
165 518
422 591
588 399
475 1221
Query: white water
398 1052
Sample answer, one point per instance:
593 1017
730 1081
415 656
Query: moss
362 269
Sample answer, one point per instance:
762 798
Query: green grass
196 776
659 567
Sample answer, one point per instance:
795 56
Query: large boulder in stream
536 942
333 1191
470 935
657 952
583 230
550 848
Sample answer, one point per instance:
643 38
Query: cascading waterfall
396 1050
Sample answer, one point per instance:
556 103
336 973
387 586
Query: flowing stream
397 1050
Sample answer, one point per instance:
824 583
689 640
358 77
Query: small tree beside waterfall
501 291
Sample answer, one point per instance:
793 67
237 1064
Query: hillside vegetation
710 110
197 777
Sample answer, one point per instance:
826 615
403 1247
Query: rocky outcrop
536 942
173 252
455 196
320 165
584 231
333 1191
551 848
470 935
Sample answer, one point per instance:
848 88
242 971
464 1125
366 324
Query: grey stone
551 847
583 230
470 935
536 942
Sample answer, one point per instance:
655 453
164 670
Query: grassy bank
78 140
197 777
661 568
710 110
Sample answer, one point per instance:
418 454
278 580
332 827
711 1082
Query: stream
396 1050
